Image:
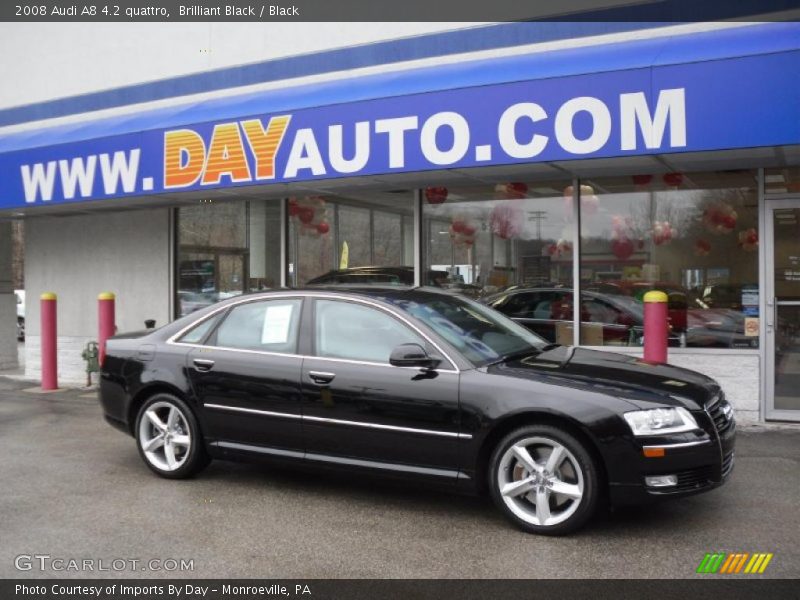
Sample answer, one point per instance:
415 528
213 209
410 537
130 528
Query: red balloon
642 179
436 195
323 227
306 214
458 226
516 190
622 249
468 230
673 179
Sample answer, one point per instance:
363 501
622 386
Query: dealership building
585 163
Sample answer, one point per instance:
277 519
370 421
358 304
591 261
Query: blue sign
734 103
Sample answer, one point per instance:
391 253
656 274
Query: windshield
480 333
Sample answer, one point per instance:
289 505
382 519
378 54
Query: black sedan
418 383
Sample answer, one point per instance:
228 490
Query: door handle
320 377
203 364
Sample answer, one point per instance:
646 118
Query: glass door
783 309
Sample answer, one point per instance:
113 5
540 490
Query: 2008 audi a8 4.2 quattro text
418 383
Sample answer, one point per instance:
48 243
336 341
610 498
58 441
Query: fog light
660 481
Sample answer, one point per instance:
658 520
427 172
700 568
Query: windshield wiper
514 355
522 354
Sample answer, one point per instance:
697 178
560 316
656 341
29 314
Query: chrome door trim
252 411
678 445
266 413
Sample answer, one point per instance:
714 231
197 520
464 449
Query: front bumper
700 464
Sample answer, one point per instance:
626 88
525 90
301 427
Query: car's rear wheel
20 329
169 438
544 480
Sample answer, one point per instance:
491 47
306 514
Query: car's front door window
353 331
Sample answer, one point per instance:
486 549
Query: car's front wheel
169 438
544 480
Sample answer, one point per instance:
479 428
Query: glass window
486 239
783 180
480 334
358 239
548 313
357 332
270 326
199 333
226 248
693 236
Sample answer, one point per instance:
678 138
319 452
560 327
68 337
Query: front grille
694 479
716 410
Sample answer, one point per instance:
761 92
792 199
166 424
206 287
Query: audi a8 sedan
421 383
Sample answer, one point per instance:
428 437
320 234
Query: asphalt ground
73 487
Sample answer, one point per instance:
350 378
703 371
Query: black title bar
406 10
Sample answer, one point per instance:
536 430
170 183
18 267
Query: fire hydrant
91 355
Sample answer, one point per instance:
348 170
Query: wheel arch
533 417
148 392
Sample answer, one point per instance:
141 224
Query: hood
619 375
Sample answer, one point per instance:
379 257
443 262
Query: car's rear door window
267 325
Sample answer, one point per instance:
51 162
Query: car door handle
320 377
203 364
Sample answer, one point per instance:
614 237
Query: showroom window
360 239
226 248
487 239
691 235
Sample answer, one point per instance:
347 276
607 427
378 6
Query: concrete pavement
73 487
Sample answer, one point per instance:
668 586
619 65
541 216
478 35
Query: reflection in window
486 239
351 331
355 240
224 249
693 236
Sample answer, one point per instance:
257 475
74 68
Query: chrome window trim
267 413
679 445
290 295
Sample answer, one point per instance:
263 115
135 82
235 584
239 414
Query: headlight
658 421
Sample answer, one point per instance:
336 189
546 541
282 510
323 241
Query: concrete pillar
8 303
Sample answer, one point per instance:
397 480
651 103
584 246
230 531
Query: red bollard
106 321
656 327
49 346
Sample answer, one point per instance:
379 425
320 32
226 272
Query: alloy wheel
540 481
165 436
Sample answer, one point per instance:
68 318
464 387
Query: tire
20 329
521 467
169 438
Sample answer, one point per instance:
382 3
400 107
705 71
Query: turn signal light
653 452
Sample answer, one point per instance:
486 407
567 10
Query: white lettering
506 130
37 181
601 125
460 128
77 172
633 109
304 155
120 169
396 129
336 148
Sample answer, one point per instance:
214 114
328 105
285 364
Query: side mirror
412 355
